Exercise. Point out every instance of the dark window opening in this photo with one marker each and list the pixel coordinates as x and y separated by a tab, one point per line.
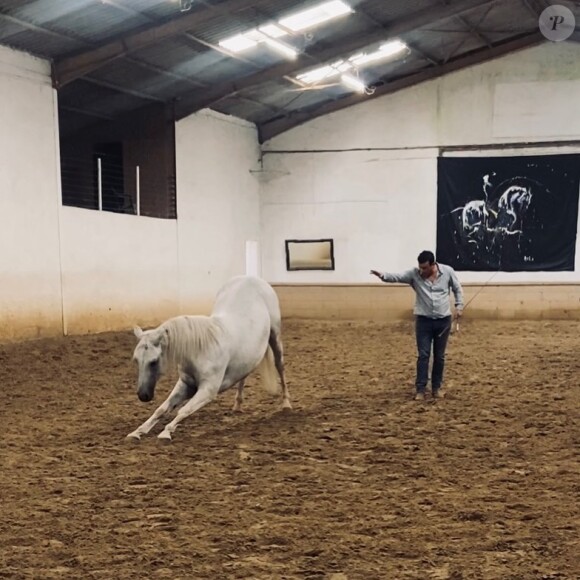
125	166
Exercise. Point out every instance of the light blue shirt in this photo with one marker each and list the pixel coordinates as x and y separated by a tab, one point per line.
432	297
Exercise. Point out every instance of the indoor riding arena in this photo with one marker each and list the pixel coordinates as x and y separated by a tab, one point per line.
159	156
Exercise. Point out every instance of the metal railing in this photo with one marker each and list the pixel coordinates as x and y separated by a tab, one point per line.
103	183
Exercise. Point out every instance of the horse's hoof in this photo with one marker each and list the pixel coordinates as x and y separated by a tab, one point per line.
164	437
133	438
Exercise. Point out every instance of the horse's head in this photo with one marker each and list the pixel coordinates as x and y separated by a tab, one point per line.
150	355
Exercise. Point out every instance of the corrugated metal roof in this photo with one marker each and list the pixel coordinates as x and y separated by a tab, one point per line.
86	19
7	5
96	99
155	9
97	23
9	28
170	53
246	109
44	45
186	64
132	77
390	11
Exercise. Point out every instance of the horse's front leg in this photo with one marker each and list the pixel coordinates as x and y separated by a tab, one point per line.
179	394
206	392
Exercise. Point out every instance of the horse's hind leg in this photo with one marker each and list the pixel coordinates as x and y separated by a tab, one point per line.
278	351
239	396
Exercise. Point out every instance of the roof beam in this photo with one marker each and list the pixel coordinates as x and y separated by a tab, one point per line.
189	104
413	47
132	92
85	112
536	7
455	50
138	62
257	102
472	29
532	8
34	28
273	128
188	37
423	54
68	69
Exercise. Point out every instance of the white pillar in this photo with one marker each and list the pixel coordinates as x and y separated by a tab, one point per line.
253	258
100	182
138	184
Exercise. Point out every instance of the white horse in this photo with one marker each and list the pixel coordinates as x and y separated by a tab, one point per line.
213	353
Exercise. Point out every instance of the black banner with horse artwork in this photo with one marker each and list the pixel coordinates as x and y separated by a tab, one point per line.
508	213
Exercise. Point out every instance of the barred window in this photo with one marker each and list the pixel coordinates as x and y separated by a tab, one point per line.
126	166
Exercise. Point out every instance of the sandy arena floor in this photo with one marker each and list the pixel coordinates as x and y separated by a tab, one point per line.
358	482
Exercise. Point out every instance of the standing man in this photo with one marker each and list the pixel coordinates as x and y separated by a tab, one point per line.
431	282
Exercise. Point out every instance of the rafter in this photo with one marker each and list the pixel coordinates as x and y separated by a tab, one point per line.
195	101
35	28
86	113
532	7
474	30
132	92
262	104
68	69
138	62
269	130
455	50
414	48
189	38
423	53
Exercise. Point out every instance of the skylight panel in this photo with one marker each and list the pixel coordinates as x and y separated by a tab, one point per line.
282	48
293	23
341	67
317	75
385	51
353	83
272	31
316	15
238	43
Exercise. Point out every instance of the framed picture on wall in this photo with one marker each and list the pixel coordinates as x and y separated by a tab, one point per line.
310	254
508	213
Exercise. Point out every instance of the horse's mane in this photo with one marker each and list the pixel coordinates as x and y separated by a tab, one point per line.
189	336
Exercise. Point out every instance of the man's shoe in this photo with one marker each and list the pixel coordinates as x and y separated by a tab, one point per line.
420	397
438	394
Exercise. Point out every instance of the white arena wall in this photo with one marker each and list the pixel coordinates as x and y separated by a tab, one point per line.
30	290
71	270
218	203
366	176
121	270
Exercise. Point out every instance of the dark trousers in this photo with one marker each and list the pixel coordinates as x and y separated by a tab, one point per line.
431	332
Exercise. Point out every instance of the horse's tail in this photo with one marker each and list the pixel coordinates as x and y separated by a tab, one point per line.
268	375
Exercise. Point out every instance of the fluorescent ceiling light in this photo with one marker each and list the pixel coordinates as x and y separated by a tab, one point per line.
272	31
393	47
238	43
294	23
324	72
318	74
341	65
387	50
282	48
317	15
353	83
